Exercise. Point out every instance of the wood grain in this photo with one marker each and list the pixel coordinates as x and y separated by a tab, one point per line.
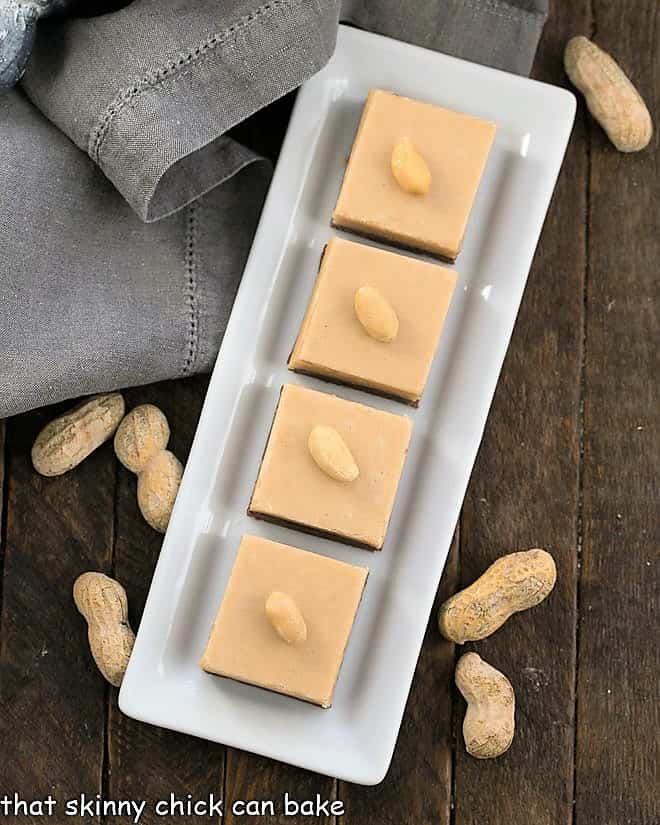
252	777
3	515
524	493
417	788
618	711
2	509
582	370
145	762
51	694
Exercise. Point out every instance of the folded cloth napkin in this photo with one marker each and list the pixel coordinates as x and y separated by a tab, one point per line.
127	211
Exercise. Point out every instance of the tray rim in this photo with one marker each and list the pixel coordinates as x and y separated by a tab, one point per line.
129	702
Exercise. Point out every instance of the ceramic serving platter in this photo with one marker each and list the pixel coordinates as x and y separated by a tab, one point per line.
355	739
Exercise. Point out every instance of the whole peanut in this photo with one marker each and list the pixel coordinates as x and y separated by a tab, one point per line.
140	443
69	439
102	601
376	314
409	168
157	487
611	98
489	722
331	454
511	584
142	433
285	617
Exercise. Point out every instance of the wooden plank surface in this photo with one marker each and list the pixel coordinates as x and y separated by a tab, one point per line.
2	526
2	504
524	493
417	788
582	369
146	762
52	699
618	710
254	778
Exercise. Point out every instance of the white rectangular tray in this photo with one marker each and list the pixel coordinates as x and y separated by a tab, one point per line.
355	739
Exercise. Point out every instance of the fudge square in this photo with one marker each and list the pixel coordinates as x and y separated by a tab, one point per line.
250	639
332	342
455	147
292	488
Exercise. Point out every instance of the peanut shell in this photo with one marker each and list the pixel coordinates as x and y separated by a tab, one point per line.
103	603
513	583
157	487
141	434
611	97
69	439
489	723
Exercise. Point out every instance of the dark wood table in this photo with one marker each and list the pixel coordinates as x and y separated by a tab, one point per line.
568	462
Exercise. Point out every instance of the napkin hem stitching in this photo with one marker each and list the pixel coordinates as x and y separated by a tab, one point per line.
507	11
191	287
496	8
151	79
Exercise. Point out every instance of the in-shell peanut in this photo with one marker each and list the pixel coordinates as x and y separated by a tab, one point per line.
489	722
140	443
157	487
69	439
511	584
611	97
103	603
142	433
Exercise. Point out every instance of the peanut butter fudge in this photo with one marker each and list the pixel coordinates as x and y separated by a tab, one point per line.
331	467
413	174
285	620
374	320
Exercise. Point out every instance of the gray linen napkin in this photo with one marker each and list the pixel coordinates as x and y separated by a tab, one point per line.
91	296
149	91
121	261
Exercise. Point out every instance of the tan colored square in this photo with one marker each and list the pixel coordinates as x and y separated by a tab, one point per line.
455	147
333	344
291	489
243	644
